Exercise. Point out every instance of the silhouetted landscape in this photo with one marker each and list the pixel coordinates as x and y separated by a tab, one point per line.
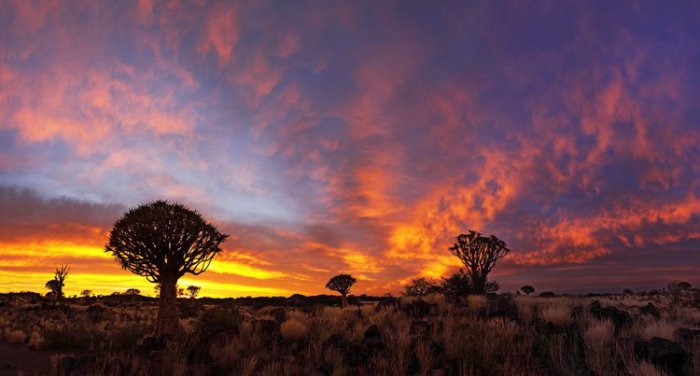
349	188
458	326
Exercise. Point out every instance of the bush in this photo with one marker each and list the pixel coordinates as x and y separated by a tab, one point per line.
73	337
127	338
293	330
218	320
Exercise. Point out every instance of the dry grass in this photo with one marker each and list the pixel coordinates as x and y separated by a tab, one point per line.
657	328
481	345
293	330
558	313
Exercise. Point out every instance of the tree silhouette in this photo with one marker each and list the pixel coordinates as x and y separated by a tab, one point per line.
457	286
420	287
479	255
162	241
341	284
58	282
193	291
54	288
132	292
86	293
527	289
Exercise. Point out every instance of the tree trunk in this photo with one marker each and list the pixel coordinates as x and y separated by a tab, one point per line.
168	321
344	300
479	283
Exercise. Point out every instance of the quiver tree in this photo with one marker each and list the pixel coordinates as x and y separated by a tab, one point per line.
163	241
58	282
479	255
341	284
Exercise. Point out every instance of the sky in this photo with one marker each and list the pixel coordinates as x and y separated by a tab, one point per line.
354	137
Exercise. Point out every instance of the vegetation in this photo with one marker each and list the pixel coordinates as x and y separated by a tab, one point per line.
458	327
420	287
479	254
56	284
527	289
609	335
193	291
341	284
163	241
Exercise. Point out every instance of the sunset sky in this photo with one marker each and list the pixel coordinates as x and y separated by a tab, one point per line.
357	137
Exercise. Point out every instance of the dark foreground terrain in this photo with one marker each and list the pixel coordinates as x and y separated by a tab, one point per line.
482	335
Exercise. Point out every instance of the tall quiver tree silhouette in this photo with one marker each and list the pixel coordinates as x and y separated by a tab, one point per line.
162	241
341	284
479	254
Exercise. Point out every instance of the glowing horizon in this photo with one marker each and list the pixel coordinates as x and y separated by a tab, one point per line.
354	138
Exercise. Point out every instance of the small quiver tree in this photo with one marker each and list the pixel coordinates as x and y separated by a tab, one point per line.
341	284
58	282
163	241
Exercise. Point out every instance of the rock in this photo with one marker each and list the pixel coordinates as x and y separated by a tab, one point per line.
618	317
419	309
650	310
501	306
686	336
667	354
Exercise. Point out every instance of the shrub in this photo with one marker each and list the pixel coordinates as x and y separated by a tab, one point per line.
558	314
293	330
218	320
127	337
73	337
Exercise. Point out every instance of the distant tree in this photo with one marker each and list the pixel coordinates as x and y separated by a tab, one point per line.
193	291
479	255
132	292
86	293
527	289
163	241
180	292
58	282
627	291
341	284
420	287
547	294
